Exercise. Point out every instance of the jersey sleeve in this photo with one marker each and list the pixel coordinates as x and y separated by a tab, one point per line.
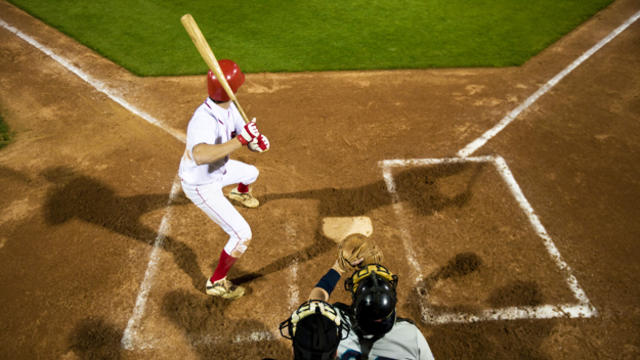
201	129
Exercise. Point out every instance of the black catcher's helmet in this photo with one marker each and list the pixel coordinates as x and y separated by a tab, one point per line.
373	290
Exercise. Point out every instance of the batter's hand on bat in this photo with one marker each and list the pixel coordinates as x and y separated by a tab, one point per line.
249	132
259	144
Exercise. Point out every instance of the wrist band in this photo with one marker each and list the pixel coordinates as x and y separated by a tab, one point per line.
329	281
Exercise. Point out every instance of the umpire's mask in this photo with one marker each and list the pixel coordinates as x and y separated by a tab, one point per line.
316	330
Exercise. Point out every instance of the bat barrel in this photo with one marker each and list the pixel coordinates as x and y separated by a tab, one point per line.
207	55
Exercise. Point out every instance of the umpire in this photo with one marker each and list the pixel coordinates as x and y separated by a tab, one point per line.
315	329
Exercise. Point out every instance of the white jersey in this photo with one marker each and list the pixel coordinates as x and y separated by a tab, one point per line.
210	124
404	341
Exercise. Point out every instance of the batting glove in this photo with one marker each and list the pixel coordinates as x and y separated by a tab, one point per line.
249	132
259	144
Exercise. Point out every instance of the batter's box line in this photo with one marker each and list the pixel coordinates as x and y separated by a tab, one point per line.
581	309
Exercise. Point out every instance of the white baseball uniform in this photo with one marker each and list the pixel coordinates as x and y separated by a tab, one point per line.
203	184
403	341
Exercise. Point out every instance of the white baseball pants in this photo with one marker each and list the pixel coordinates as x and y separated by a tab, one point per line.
210	199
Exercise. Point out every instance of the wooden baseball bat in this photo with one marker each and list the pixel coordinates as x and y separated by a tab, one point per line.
207	55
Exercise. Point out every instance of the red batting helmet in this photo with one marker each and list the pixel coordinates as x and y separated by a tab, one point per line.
234	77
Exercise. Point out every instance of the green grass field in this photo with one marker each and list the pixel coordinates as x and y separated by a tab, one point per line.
147	37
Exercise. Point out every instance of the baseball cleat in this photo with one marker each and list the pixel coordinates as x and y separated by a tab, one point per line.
245	199
224	288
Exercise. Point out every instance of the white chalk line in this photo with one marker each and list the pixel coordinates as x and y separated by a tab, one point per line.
248	337
583	309
130	335
507	176
294	293
128	340
388	164
479	142
404	233
96	84
511	313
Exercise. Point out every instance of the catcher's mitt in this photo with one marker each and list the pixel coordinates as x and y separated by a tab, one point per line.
355	251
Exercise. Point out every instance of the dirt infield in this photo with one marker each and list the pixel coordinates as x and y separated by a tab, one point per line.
102	257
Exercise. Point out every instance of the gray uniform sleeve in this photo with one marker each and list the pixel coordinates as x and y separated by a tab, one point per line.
423	347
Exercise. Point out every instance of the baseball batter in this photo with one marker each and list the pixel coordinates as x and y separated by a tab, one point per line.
215	130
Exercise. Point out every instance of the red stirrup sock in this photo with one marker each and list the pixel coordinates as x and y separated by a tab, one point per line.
225	263
243	188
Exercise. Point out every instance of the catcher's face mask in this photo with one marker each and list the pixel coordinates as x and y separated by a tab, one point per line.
316	330
351	284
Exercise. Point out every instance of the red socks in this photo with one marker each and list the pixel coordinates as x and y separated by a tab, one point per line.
243	188
225	263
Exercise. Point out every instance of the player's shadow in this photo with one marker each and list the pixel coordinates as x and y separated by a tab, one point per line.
419	187
76	196
212	336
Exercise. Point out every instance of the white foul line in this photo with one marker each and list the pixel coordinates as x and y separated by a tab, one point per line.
479	142
97	84
131	332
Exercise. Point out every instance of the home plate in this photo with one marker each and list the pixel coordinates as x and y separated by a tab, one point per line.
338	228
